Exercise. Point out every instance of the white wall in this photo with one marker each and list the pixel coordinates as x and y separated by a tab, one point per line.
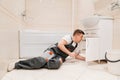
85	8
82	9
63	15
49	15
102	7
10	23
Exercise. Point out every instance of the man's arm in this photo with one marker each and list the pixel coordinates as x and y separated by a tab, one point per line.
80	57
61	46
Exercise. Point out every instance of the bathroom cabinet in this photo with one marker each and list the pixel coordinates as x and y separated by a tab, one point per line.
99	39
92	49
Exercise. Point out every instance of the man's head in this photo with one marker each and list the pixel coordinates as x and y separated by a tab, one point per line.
78	35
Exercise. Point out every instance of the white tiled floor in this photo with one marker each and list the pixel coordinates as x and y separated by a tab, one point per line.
70	70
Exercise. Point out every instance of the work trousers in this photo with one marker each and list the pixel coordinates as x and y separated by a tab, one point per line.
39	62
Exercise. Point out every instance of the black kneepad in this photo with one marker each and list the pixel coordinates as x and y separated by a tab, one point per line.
53	64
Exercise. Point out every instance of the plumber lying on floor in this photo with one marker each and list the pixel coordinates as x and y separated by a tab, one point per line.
55	55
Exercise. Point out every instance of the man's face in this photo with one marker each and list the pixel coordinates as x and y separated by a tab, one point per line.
78	37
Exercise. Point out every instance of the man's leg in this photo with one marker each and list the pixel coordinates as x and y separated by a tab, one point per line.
38	62
33	63
54	63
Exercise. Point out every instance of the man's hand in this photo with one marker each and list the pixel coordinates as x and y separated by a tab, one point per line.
73	54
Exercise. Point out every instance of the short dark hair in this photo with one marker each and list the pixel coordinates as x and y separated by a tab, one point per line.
78	31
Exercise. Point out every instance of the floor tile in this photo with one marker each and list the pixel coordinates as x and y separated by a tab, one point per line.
70	70
94	74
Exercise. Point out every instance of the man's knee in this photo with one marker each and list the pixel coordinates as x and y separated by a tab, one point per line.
53	64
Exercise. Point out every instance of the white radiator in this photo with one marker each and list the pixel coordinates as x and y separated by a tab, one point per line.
34	42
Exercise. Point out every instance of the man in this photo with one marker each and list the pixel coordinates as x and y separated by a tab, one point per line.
55	55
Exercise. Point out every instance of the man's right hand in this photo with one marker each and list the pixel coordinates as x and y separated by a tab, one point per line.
73	54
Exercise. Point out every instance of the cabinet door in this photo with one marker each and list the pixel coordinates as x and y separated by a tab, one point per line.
106	32
92	49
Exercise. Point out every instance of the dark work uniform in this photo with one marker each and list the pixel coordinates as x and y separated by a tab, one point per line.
40	62
63	55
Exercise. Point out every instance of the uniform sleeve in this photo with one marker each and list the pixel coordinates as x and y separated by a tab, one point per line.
67	38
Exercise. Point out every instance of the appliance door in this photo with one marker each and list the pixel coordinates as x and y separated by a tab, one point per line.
92	49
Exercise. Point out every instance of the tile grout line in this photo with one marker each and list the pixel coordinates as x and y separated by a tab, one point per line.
118	77
80	75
